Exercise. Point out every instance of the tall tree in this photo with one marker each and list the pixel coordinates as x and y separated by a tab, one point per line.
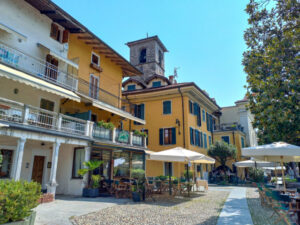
272	63
222	152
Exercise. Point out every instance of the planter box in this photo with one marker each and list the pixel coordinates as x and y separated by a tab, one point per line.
90	192
27	221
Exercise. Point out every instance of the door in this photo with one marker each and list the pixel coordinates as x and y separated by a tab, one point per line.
46	119
51	68
94	86
38	169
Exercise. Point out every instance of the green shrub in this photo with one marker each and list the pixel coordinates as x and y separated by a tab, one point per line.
108	125
256	175
139	175
139	133
90	166
162	177
17	199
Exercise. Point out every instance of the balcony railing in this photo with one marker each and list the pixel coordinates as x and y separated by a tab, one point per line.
36	67
15	112
229	127
118	136
95	92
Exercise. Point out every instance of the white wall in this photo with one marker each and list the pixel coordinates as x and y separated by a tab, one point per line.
67	185
25	19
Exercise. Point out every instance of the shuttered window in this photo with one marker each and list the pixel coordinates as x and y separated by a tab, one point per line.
167	136
201	140
205	140
139	112
192	141
226	139
131	87
167	107
199	116
191	106
243	142
197	138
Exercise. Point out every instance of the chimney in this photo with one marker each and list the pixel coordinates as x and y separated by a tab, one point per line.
171	79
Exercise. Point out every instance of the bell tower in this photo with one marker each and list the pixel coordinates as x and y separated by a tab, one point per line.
148	55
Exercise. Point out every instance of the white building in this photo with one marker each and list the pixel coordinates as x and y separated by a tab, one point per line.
241	117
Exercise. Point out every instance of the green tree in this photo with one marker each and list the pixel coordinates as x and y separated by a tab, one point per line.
222	152
272	66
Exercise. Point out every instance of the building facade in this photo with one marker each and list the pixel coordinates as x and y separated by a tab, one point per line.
177	114
57	82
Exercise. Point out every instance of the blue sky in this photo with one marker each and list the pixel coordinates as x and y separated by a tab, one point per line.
204	38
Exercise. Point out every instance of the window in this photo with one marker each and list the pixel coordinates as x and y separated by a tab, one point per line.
137	161
243	142
156	83
209	140
121	164
203	115
167	136
147	138
205	140
78	159
191	106
167	105
6	165
58	34
160	57
197	112
139	112
47	104
94	86
168	169
201	139
226	139
95	59
131	87
143	54
192	138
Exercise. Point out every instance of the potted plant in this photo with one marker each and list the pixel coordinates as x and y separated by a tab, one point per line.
138	187
107	128
93	182
139	133
17	199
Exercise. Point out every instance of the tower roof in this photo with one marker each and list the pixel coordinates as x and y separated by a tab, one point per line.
156	38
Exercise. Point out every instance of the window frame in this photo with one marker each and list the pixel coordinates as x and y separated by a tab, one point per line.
98	56
170	107
157	81
227	137
73	163
172	169
131	85
145	56
170	136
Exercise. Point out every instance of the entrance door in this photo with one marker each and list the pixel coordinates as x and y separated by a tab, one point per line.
38	169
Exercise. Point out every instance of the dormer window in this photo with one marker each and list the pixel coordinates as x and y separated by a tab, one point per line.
156	83
143	54
131	87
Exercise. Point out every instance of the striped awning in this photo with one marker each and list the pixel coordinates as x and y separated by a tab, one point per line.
27	79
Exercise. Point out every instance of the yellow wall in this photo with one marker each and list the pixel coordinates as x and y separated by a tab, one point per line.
155	119
110	80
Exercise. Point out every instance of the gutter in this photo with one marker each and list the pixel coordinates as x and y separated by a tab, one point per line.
183	124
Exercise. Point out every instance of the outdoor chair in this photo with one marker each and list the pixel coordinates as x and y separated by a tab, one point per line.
149	190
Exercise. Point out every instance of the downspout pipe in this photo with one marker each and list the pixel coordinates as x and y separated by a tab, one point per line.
183	122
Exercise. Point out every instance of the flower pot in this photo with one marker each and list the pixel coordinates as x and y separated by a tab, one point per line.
136	197
27	221
90	192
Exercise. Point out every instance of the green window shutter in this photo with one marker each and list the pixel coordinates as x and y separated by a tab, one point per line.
161	136
142	111
207	121
167	107
205	141
173	135
201	139
226	139
195	108
191	106
198	116
192	136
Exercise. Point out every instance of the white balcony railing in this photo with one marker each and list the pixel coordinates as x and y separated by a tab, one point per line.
20	113
36	67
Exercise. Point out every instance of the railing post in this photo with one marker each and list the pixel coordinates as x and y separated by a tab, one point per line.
91	129
88	129
131	138
25	114
114	133
59	121
145	142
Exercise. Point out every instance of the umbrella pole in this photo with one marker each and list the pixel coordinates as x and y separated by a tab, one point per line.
283	181
188	179
170	185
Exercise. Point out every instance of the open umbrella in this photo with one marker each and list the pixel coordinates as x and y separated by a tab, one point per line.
275	152
253	163
177	154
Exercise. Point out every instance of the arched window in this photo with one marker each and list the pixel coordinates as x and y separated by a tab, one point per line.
143	55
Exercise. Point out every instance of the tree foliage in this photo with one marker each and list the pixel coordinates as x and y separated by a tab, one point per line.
272	65
222	152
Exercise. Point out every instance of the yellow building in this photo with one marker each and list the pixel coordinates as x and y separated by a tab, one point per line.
177	114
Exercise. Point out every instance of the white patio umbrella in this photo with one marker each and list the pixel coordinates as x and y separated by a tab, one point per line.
275	152
177	154
254	163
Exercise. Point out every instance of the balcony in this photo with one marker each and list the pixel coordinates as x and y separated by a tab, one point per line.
19	113
229	127
36	67
118	137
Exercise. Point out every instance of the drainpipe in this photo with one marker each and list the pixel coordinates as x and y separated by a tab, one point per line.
183	123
